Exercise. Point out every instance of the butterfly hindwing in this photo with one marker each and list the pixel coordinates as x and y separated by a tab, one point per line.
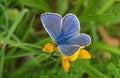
68	50
52	23
79	39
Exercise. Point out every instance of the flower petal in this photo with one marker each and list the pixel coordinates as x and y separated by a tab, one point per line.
74	57
84	54
49	47
63	57
66	65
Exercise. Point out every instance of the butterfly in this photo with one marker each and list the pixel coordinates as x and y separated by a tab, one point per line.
65	32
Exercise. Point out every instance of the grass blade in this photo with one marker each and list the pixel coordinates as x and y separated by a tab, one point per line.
100	18
62	6
108	4
92	71
41	5
10	33
90	7
76	8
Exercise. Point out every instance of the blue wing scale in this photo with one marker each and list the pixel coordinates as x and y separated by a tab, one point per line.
68	50
79	39
52	24
70	25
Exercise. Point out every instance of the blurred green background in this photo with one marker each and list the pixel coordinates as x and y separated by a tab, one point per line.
22	38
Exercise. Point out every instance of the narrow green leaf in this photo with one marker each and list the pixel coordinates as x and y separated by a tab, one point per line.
105	6
26	66
2	7
94	32
10	33
41	5
91	70
105	47
24	46
29	29
114	9
77	6
90	7
44	41
62	6
100	18
21	55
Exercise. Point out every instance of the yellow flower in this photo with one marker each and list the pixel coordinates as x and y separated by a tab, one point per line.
49	47
74	57
84	54
66	65
70	58
66	60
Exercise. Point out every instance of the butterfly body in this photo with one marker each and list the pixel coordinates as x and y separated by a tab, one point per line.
65	32
62	40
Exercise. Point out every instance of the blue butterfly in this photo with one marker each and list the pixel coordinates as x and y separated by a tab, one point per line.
65	32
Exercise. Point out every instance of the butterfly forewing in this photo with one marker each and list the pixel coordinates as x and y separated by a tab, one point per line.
52	24
70	25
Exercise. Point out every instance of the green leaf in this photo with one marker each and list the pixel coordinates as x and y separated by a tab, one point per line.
77	6
105	47
111	67
29	29
24	46
100	18
115	9
90	7
113	70
26	66
41	5
93	32
91	70
44	41
105	6
21	55
10	33
62	6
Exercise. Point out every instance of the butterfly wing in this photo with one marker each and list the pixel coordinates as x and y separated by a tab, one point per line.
70	25
68	50
52	24
79	39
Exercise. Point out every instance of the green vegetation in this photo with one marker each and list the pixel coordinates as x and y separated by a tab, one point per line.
22	38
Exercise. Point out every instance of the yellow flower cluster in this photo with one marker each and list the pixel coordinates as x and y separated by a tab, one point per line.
49	47
81	53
